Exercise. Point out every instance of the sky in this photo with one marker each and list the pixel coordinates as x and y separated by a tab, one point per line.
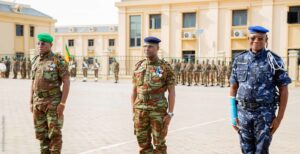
77	12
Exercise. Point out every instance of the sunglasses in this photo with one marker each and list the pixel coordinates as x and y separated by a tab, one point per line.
41	43
258	38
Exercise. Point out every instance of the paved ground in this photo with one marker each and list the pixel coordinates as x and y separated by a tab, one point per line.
98	120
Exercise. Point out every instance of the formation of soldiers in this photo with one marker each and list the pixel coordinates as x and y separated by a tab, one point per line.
20	66
206	73
95	67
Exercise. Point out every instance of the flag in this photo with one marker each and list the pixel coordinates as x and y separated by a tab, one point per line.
67	54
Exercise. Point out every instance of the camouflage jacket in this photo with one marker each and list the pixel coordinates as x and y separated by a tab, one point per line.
152	79
47	74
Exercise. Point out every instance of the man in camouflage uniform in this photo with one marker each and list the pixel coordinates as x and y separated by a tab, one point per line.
228	72
85	67
213	73
96	69
16	67
197	71
116	69
73	69
178	71
189	72
222	74
49	72
23	68
152	110
206	70
182	72
8	65
173	65
218	72
258	85
28	68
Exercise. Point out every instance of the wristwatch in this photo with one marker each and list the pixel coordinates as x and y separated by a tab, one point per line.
171	114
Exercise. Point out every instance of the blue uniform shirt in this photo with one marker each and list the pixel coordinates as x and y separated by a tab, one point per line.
257	81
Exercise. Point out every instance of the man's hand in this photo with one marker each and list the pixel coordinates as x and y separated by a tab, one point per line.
275	124
236	127
60	110
166	122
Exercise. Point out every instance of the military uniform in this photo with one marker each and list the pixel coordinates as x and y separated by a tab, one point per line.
183	73
96	70
28	68
228	72
196	72
47	74
151	78
177	72
173	65
8	65
116	69
73	69
189	73
222	74
23	68
85	67
218	72
206	71
16	68
213	73
257	97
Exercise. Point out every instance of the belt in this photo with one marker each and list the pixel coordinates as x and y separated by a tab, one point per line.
255	105
45	94
147	97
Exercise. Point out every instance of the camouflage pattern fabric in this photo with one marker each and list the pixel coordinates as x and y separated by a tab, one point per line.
152	79
47	74
257	84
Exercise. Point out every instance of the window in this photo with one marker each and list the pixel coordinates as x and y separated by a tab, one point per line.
31	31
91	42
294	15
111	42
239	18
155	21
135	31
189	20
19	30
188	55
71	43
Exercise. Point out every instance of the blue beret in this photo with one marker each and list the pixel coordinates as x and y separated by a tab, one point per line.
152	39
257	29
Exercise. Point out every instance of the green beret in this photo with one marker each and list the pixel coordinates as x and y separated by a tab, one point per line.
45	37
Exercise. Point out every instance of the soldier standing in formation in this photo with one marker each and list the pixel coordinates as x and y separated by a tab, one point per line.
28	68
206	71
189	72
23	68
228	72
73	69
85	67
178	71
213	73
16	68
116	69
182	72
197	71
222	74
152	110
96	69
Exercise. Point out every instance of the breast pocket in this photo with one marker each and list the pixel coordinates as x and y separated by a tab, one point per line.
139	77
242	72
50	75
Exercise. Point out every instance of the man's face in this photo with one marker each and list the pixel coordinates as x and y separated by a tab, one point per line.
44	47
257	41
151	50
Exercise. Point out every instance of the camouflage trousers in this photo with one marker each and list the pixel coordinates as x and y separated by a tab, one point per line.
189	78
147	125
183	77
196	77
28	74
85	72
96	72
116	73
255	133
73	72
48	128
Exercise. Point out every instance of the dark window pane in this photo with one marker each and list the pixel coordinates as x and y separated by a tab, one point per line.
295	12
91	42
111	42
135	29
239	18
19	30
71	43
189	20
31	31
155	21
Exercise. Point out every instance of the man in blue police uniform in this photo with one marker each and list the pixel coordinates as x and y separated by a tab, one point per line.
259	84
